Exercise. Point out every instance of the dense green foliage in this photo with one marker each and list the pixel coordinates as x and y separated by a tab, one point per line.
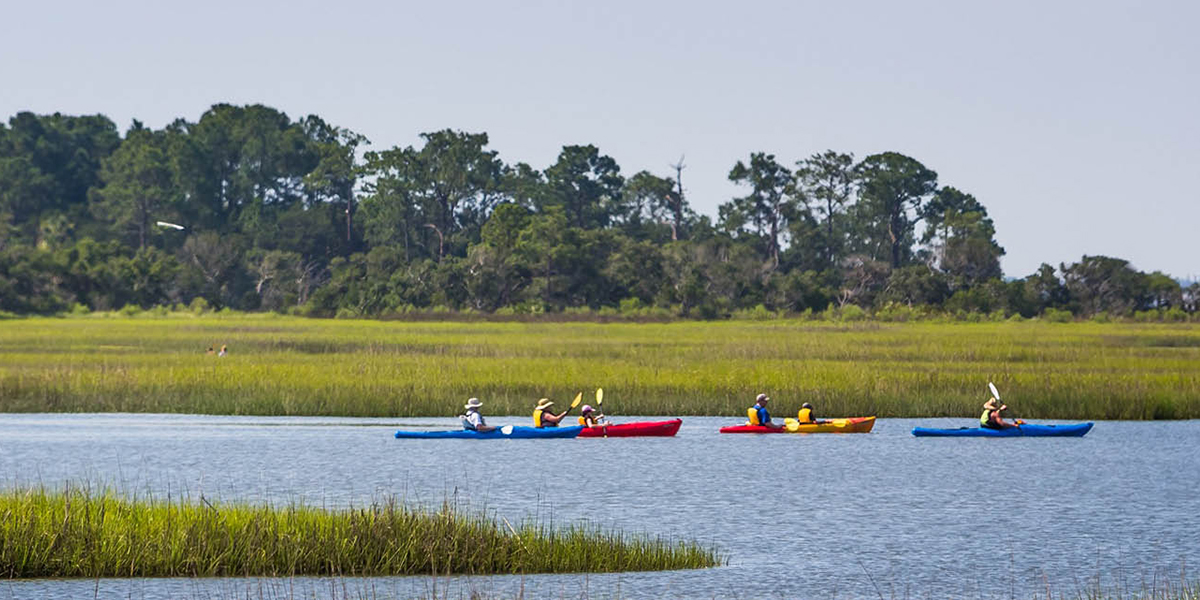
80	533
288	215
281	365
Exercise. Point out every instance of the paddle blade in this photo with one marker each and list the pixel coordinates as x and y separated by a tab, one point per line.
791	425
578	399
599	396
841	422
506	430
995	392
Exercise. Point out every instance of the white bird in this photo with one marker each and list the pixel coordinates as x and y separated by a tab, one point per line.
171	225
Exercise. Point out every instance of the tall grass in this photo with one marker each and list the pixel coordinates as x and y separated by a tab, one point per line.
81	533
291	366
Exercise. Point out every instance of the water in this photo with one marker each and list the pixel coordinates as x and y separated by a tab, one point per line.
815	516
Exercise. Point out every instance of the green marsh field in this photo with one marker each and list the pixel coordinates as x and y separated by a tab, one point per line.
82	533
295	366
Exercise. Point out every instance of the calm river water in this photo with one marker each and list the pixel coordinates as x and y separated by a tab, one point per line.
818	516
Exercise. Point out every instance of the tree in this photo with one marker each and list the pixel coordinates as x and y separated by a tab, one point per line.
1101	283
333	178
961	237
432	194
586	185
137	185
47	165
768	206
827	180
892	187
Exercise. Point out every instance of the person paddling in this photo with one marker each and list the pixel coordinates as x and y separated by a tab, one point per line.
473	420
543	417
991	418
805	415
591	418
759	415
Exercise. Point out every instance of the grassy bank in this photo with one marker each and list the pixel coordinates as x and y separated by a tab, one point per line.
293	366
77	533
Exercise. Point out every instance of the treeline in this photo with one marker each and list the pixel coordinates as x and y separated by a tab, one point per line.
287	215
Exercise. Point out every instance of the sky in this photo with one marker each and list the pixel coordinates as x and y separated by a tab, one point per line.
1077	124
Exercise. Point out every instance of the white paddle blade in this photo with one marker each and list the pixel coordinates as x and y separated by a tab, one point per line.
599	395
506	430
995	392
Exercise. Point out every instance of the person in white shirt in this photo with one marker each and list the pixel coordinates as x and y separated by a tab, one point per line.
473	420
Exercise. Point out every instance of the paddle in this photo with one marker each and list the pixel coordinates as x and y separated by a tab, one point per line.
578	399
506	430
791	424
600	407
996	395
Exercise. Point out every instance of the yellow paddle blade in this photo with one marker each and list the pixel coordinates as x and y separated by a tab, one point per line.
578	399
841	422
791	425
599	395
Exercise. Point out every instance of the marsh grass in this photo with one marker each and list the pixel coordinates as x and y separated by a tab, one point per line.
78	532
293	366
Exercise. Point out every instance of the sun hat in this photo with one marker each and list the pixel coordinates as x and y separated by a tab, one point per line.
473	403
806	405
587	408
544	403
761	398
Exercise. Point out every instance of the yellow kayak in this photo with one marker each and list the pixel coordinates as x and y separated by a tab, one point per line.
847	425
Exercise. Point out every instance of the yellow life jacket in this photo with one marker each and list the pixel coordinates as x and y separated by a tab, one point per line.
537	418
752	413
805	415
583	421
985	420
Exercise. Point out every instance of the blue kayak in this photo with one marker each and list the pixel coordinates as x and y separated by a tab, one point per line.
1026	430
499	433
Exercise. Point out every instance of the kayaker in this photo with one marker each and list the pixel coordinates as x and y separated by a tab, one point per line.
473	420
543	417
591	418
759	415
991	416
806	415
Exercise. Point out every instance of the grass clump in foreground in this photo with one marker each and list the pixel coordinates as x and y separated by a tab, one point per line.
82	533
291	366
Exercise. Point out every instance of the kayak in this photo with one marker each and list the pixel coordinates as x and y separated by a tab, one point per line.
1027	430
641	429
847	425
499	433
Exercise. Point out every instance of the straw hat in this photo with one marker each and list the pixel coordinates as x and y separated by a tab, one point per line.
472	403
544	403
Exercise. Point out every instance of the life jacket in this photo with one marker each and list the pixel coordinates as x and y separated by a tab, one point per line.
985	420
583	421
752	413
805	415
537	418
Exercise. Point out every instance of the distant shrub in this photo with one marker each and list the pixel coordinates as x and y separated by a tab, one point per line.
1101	317
852	312
758	313
1054	315
80	309
199	305
346	312
1175	315
631	305
129	310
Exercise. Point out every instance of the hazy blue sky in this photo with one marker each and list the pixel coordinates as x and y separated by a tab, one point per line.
1075	123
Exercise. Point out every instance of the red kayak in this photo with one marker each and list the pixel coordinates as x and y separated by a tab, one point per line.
643	429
